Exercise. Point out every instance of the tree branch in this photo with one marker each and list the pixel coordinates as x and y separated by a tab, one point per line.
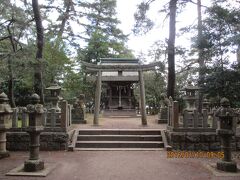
191	1
187	67
50	7
11	36
2	38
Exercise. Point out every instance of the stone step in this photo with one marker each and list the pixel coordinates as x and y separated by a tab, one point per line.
119	144
118	149
119	132
119	138
120	113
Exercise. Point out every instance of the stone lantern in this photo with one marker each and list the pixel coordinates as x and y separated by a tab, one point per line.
78	115
5	123
35	111
205	104
226	131
55	90
190	96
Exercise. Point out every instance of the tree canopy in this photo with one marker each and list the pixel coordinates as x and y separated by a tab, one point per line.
41	41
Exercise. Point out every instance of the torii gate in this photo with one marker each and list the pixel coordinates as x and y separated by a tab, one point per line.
120	67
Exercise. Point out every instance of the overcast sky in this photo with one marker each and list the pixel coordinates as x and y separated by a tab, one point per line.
126	10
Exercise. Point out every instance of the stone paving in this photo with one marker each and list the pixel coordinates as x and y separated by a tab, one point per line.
117	165
122	123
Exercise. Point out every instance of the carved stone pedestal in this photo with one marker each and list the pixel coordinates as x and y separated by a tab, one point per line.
3	152
33	165
227	166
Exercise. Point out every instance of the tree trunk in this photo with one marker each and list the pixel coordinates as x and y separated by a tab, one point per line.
238	54
64	20
10	71
38	80
200	54
11	84
171	49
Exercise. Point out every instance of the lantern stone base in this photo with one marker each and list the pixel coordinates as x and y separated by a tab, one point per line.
4	154
19	171
33	165
213	169
227	166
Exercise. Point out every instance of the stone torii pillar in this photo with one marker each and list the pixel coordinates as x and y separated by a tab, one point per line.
108	68
97	98
142	98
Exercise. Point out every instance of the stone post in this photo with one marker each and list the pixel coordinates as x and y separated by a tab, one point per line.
205	118
142	98
83	109
24	117
130	97
5	123
226	130
110	97
170	112
119	97
15	118
97	98
64	115
69	114
214	120
195	116
35	111
175	114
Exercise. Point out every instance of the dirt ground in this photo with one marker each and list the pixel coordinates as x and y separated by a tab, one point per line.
117	165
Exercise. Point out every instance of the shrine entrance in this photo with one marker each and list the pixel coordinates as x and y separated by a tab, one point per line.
120	96
119	75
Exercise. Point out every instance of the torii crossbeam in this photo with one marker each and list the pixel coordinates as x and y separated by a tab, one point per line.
119	67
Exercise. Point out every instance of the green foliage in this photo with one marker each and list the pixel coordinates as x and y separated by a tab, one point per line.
57	63
154	87
220	33
75	84
22	90
97	48
105	39
223	82
143	23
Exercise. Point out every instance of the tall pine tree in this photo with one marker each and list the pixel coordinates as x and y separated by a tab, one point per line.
104	38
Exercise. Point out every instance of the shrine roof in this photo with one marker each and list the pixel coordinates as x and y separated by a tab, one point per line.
119	61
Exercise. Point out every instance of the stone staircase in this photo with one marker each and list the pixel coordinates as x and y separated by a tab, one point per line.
120	113
118	139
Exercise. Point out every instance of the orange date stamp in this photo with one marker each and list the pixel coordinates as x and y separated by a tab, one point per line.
193	154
